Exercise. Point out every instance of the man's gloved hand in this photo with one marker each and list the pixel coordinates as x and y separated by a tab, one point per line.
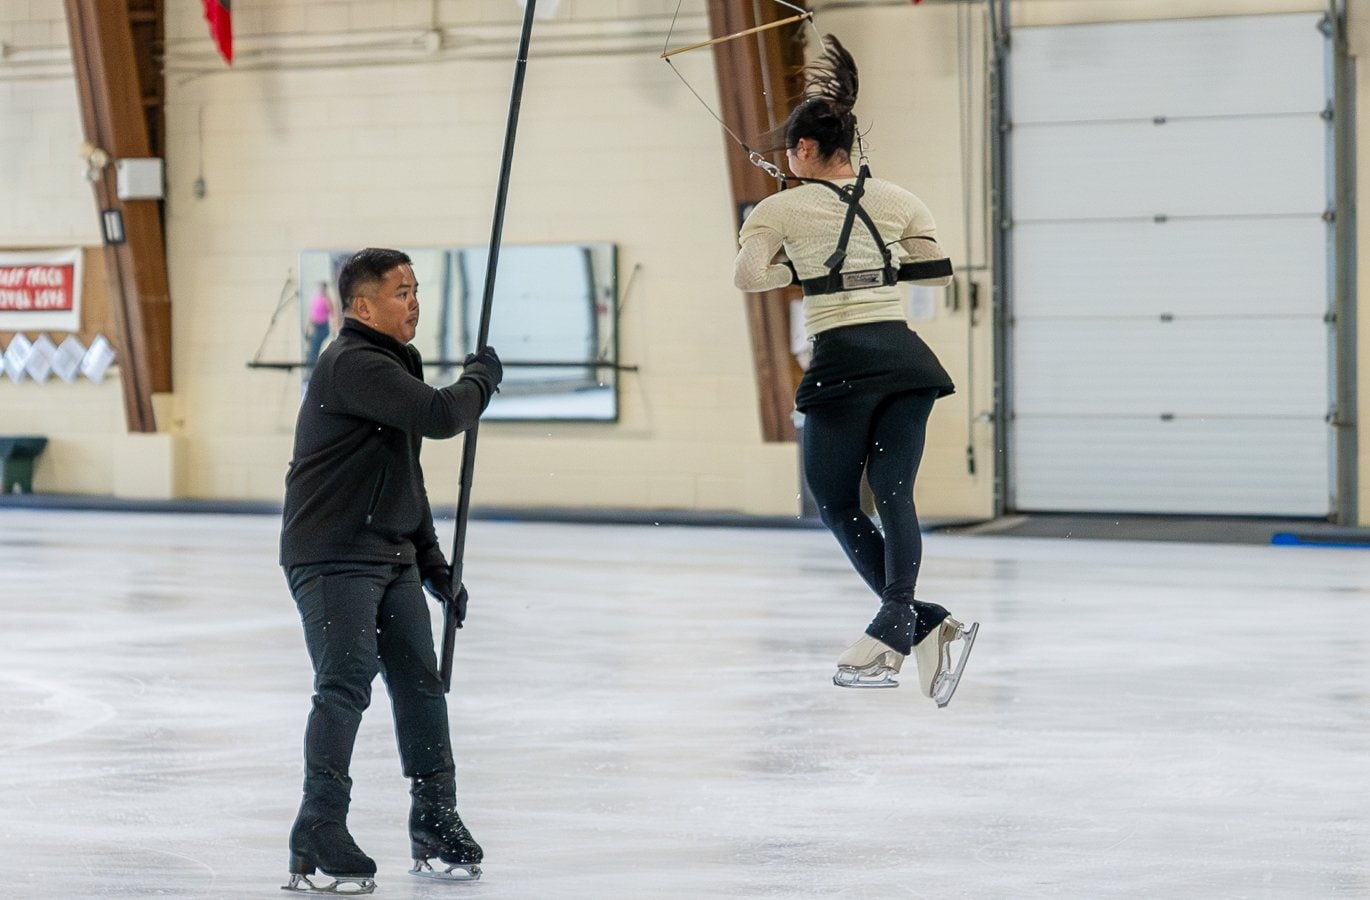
460	608
484	368
438	582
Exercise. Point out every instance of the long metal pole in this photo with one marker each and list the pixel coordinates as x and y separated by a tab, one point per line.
468	457
1001	213
1347	443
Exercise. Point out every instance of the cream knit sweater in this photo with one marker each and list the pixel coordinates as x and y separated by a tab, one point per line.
807	221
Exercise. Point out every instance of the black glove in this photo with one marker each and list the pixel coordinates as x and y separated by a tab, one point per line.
485	370
439	584
794	273
460	601
437	580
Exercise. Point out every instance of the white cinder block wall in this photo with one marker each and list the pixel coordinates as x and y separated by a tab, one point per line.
45	201
337	128
610	148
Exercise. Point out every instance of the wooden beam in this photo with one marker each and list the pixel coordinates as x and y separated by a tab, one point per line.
116	120
759	78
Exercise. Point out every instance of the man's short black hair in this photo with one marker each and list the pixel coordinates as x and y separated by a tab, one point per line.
364	270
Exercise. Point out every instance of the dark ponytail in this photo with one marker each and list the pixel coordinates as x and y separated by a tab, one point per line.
825	114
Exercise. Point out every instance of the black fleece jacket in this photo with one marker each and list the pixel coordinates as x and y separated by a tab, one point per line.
355	490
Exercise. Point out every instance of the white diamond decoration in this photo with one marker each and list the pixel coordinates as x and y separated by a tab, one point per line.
17	357
39	365
66	362
97	359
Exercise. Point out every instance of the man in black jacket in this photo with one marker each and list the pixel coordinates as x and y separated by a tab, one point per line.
358	547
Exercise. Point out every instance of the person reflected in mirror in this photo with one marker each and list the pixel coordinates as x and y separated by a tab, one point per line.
324	319
358	548
869	388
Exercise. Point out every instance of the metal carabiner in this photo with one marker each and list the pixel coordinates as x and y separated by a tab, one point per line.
765	165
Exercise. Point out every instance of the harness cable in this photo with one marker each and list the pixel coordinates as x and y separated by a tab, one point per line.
836	280
753	156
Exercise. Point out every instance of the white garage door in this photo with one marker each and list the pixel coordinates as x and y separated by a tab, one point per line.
1169	272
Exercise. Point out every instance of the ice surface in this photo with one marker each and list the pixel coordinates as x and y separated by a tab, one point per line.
647	712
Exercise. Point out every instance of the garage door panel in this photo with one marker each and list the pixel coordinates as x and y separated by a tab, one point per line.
1256	166
1212	367
1272	467
1189	267
1168	270
1193	67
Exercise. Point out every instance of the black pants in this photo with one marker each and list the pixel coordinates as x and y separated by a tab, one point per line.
882	436
361	619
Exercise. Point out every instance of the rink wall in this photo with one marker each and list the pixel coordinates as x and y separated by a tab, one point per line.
343	124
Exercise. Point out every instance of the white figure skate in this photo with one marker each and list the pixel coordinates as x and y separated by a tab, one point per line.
869	663
937	677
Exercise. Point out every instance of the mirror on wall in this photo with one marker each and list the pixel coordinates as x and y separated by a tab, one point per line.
553	321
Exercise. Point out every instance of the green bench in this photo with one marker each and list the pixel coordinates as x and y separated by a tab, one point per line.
17	453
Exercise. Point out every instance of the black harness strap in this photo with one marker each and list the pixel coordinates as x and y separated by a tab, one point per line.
928	268
852	198
853	201
836	283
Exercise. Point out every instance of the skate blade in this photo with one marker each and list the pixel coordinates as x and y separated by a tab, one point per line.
945	686
875	677
341	887
422	869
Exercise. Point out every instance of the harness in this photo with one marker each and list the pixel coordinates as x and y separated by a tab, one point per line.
837	281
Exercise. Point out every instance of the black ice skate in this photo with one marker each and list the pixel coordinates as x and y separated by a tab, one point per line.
932	640
325	846
436	831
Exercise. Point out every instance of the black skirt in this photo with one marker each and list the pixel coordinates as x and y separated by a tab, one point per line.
877	358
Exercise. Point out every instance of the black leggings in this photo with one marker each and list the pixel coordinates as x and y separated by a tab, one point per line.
883	436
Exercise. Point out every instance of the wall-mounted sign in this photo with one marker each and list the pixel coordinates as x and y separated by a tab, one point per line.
40	290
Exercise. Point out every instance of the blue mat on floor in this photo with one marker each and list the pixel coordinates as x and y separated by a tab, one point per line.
1352	539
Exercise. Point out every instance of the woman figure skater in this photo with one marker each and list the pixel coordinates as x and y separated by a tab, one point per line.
848	239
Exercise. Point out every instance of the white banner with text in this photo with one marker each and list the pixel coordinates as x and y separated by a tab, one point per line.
40	290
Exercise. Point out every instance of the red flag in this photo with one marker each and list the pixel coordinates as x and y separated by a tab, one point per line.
220	27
